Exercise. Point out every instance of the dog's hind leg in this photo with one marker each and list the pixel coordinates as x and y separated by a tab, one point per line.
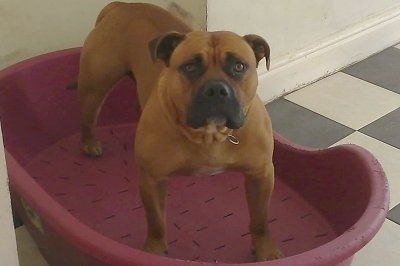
98	73
91	101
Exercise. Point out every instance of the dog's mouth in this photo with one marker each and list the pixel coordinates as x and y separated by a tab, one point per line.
219	121
230	118
215	103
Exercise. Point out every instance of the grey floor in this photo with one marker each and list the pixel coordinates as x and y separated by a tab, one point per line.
359	105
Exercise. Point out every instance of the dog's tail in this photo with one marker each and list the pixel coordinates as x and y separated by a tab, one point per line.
107	9
73	85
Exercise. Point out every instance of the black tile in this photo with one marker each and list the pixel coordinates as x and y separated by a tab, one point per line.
394	214
385	129
303	126
382	69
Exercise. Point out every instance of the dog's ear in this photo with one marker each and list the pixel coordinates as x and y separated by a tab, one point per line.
163	46
260	48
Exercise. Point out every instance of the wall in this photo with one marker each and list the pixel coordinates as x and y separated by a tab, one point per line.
8	247
309	39
33	27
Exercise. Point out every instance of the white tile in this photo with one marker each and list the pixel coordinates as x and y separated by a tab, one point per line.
398	46
350	101
28	252
388	156
383	249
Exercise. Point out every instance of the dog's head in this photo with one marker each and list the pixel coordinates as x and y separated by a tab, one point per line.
211	76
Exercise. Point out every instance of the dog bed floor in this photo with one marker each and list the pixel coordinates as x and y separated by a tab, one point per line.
207	216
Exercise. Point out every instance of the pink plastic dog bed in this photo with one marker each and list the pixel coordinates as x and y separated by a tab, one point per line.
327	204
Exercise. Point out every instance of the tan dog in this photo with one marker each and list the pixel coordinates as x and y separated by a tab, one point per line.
200	111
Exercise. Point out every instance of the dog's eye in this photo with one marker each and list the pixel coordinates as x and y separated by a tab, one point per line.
190	68
239	67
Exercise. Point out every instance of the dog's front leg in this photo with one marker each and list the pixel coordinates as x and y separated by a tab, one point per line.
153	192
259	186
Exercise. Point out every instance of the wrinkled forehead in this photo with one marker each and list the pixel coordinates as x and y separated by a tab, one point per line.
213	46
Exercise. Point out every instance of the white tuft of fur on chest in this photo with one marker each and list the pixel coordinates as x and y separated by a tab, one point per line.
207	170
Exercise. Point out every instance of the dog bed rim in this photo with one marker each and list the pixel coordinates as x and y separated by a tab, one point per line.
108	250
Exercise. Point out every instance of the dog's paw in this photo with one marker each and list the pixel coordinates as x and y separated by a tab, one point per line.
271	254
267	250
157	247
92	148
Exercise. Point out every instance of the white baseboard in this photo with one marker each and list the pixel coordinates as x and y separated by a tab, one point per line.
343	49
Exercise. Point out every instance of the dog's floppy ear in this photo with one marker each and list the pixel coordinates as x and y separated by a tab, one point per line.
163	46
260	48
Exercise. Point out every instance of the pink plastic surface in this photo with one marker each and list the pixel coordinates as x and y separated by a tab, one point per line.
327	204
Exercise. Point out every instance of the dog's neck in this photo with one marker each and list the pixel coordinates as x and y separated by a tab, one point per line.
211	133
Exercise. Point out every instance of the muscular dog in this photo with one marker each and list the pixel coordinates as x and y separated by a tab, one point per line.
200	111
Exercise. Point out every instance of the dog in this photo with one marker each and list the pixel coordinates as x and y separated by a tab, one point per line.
200	113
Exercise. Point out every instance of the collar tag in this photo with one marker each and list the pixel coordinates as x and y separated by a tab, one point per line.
232	139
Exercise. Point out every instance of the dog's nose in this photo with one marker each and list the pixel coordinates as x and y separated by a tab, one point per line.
216	89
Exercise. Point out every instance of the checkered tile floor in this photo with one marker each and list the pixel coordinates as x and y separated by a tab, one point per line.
359	105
